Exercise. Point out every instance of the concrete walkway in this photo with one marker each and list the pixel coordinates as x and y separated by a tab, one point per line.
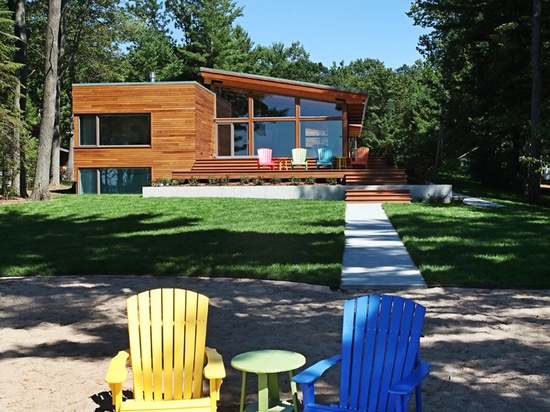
374	255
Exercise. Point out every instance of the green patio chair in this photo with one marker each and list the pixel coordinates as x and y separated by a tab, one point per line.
299	158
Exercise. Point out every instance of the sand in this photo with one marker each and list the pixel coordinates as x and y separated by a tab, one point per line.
489	349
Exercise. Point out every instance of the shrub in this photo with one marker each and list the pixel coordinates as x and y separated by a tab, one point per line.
276	180
213	180
259	181
295	181
310	180
193	181
245	180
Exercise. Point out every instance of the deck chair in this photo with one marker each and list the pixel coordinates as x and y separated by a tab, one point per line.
299	158
379	363
324	157
265	158
361	158
169	359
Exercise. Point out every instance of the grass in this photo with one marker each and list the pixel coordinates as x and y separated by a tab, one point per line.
127	234
291	240
477	246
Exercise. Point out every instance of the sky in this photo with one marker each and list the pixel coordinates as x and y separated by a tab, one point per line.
336	30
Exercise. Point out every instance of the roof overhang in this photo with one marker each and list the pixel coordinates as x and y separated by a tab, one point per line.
355	100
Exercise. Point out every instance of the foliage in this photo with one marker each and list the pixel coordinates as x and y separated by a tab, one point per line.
11	124
482	52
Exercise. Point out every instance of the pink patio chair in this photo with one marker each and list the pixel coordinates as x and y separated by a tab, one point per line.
265	158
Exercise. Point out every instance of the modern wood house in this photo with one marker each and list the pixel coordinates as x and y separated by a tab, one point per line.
128	135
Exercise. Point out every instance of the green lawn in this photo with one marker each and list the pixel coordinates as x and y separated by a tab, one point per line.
127	234
477	246
292	240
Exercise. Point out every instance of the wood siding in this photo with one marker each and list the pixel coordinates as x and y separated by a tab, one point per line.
182	125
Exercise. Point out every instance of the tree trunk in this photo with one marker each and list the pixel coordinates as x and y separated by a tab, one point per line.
20	32
56	142
441	133
536	93
41	189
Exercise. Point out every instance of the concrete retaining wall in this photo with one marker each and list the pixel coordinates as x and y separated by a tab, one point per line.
289	192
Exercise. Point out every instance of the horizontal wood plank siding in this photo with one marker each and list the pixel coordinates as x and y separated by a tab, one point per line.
182	125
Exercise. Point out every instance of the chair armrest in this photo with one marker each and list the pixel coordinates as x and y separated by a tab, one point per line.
214	368
407	384
117	372
315	371
307	377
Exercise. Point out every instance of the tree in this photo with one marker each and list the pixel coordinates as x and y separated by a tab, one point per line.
481	50
20	32
41	189
207	30
11	125
536	96
290	63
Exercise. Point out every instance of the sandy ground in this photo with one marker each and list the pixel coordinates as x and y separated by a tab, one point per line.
489	349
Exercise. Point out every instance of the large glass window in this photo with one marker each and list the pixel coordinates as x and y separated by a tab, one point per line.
311	108
233	139
279	136
272	105
231	103
114	180
115	130
274	118
315	134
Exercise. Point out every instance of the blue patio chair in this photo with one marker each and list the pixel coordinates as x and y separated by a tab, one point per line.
324	157
380	364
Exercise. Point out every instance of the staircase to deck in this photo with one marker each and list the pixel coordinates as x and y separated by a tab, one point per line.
378	174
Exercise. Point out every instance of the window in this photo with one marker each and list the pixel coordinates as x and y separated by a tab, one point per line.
312	108
231	103
315	134
272	105
233	139
115	130
276	121
279	136
114	180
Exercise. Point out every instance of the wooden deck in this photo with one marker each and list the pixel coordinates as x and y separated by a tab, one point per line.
237	169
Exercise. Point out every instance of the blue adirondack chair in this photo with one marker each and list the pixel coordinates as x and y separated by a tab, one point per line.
380	364
324	157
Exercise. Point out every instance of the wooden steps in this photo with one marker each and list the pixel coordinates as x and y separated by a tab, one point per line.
376	177
378	196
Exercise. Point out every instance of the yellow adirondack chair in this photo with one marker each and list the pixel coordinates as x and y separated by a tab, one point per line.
168	354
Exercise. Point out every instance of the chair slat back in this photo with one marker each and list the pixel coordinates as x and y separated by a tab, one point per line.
299	155
380	343
167	332
324	154
362	154
265	156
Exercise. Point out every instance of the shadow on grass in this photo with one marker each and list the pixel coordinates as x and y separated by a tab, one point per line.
144	244
477	246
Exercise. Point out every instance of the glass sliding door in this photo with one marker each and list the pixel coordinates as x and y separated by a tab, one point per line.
232	139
